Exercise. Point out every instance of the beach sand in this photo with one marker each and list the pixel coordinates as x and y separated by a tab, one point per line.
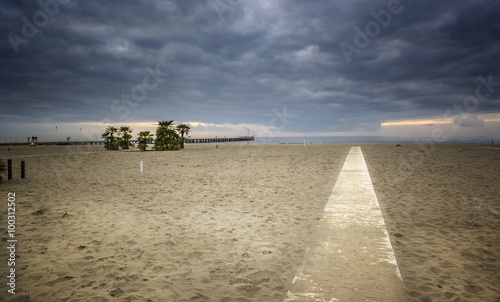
441	205
233	223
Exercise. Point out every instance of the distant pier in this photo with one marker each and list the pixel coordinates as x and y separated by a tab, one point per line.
219	140
49	141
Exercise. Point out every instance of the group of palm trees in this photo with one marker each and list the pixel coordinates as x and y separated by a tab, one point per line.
168	137
116	138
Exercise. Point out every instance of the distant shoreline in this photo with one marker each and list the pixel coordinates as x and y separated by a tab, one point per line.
326	140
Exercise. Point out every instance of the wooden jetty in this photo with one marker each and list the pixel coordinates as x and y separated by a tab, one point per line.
219	139
49	141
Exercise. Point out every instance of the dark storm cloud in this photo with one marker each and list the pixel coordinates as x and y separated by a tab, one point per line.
231	61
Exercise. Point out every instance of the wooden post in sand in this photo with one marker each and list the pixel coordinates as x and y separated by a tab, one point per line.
142	167
9	169
22	169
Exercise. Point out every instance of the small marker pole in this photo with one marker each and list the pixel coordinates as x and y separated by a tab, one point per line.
22	169
142	167
9	169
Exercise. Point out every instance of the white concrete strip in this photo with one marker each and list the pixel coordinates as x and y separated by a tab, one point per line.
351	258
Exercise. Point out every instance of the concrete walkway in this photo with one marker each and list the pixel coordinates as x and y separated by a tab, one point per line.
352	257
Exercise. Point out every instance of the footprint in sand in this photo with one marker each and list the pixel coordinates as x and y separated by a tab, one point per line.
261	277
116	292
59	280
97	299
38	213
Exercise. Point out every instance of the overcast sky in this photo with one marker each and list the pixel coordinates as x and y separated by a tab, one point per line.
275	67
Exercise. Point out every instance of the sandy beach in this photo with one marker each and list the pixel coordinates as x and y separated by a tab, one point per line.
233	223
442	209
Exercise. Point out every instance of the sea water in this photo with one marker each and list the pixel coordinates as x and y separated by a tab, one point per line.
374	139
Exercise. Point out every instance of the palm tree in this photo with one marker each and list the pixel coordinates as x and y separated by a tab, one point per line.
183	129
144	138
166	137
111	140
125	137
